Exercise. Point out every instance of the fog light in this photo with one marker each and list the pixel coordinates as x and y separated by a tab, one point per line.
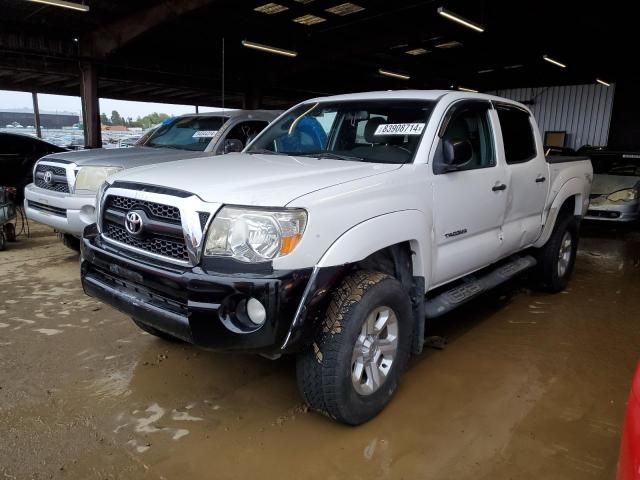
256	311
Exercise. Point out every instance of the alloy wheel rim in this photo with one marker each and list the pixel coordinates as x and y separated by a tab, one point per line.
564	255
375	351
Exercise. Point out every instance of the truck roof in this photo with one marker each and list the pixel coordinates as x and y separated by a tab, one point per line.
410	95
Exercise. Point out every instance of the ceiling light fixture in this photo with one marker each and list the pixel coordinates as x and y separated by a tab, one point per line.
470	90
417	51
451	44
271	8
461	20
61	3
487	70
388	73
555	62
345	9
269	49
309	19
602	82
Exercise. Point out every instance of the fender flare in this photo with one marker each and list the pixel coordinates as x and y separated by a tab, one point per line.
354	245
380	232
574	187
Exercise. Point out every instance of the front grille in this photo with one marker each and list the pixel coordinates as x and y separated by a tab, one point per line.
204	216
172	248
155	238
157	210
61	212
59	183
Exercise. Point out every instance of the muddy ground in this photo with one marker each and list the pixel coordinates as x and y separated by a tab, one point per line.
530	386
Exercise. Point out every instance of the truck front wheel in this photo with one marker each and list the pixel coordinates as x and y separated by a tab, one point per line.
360	351
557	258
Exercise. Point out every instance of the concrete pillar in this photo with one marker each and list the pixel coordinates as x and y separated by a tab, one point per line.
36	114
90	105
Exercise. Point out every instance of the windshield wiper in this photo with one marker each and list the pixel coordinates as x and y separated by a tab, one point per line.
333	156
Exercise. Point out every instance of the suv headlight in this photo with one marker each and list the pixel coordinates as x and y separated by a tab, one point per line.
625	195
252	235
90	178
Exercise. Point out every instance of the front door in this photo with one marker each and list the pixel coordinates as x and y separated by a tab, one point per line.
469	203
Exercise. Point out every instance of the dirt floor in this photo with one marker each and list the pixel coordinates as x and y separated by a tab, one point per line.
530	386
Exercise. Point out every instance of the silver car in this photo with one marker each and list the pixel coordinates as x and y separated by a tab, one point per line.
615	193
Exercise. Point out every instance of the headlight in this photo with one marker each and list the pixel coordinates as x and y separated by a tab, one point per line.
255	235
623	195
90	178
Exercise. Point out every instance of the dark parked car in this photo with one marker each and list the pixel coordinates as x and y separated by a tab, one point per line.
18	155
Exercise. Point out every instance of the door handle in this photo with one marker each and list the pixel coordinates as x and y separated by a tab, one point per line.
501	186
540	179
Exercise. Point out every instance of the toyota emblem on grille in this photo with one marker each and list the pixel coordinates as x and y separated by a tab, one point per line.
133	223
48	177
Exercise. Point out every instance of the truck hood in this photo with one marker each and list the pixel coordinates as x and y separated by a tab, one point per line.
124	157
605	184
244	179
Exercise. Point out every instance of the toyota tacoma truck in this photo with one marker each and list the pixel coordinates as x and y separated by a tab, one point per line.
64	186
338	234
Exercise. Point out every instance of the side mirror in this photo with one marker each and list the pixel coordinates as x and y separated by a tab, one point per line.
455	154
232	145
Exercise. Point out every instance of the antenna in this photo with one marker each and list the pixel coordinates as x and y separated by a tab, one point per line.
222	92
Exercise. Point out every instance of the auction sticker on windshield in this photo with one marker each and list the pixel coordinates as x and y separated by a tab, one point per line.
205	134
400	129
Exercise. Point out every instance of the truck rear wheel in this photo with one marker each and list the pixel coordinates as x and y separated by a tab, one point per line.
360	353
557	258
155	332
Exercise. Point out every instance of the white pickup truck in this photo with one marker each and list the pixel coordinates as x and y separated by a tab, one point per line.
338	233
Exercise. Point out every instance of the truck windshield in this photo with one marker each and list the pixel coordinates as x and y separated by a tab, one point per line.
378	131
186	133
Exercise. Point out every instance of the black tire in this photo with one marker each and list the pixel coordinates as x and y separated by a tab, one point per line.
71	242
548	276
3	241
10	232
156	333
324	373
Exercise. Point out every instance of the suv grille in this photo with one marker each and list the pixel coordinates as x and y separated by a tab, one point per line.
158	210
58	180
154	239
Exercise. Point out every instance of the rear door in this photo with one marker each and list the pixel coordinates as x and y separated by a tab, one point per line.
469	203
527	173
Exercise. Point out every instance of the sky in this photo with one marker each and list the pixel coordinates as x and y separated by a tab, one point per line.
53	103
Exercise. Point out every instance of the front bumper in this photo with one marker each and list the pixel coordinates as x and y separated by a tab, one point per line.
65	212
613	212
193	304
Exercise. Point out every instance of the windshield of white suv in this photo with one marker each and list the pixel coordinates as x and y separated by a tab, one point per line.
186	133
378	131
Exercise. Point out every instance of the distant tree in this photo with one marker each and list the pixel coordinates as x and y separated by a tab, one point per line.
116	119
104	119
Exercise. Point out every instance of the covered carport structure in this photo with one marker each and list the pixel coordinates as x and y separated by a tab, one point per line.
196	51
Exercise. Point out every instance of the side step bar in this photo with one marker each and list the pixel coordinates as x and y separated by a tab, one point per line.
472	287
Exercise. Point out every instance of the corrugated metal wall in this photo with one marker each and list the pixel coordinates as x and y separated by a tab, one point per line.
583	111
